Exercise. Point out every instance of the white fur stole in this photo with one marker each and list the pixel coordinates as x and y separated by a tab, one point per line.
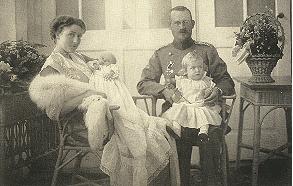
97	119
51	92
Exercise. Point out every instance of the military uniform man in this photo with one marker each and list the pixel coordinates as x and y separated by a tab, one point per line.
170	56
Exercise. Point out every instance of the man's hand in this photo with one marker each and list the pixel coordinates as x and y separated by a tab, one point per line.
168	93
211	97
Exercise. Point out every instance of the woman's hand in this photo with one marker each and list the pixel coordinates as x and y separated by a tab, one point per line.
100	60
94	65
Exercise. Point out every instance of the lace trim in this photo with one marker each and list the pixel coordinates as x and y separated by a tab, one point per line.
162	167
151	177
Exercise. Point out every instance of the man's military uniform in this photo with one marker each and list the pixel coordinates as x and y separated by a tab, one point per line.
171	56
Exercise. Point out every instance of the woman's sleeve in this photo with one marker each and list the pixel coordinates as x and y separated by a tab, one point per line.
55	62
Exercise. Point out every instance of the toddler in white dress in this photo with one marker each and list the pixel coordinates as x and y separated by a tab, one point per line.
140	147
189	110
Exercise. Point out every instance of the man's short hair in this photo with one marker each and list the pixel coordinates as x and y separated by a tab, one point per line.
181	8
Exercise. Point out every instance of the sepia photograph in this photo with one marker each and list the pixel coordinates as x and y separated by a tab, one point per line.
145	93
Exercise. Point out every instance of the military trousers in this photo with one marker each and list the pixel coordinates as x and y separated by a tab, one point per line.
209	153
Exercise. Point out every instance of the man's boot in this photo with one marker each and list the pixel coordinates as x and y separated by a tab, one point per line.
210	158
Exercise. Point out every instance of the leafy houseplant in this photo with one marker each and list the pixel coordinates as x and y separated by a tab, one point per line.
20	61
260	42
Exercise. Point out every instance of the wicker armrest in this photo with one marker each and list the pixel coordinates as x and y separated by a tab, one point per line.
229	97
145	98
226	111
142	97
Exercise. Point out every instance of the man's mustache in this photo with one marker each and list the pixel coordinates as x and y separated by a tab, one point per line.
182	31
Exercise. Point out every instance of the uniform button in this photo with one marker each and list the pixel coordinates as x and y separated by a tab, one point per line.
170	54
170	65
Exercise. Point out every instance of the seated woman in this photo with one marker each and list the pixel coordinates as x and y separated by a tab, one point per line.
62	85
136	153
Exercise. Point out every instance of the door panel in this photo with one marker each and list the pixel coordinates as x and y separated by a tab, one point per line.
207	30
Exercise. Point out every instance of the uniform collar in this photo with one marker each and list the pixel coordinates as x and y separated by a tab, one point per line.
183	45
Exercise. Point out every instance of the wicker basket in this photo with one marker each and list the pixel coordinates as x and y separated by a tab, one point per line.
261	68
266	50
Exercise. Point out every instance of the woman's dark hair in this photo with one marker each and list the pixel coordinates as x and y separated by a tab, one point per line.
60	22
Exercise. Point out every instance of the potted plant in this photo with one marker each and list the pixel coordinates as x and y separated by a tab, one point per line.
21	121
20	61
260	43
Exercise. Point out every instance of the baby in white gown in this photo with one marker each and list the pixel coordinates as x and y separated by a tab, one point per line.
140	147
190	110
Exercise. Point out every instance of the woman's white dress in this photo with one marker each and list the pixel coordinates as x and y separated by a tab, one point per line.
138	150
191	112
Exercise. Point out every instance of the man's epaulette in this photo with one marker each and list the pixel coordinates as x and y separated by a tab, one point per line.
163	47
203	43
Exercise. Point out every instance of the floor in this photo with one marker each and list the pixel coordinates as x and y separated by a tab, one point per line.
271	173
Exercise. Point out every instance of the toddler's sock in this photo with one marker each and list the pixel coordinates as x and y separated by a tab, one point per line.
204	129
203	134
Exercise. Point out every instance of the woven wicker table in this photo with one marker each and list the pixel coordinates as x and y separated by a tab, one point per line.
26	134
277	95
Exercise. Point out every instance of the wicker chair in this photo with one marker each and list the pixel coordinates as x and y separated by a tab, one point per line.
73	146
226	114
227	107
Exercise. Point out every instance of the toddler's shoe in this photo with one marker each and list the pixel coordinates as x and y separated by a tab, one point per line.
203	138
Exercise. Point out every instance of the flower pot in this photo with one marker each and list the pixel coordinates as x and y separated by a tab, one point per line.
261	68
